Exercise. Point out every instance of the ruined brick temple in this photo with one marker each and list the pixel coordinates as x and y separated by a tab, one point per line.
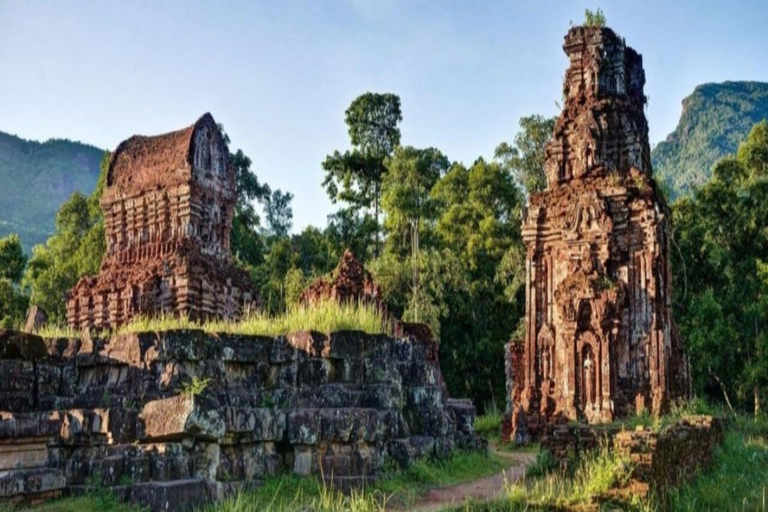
168	207
600	341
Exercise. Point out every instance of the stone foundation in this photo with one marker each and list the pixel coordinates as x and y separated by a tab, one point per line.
175	419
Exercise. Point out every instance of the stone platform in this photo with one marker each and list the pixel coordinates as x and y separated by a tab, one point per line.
174	419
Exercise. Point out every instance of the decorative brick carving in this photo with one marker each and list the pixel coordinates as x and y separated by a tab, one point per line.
168	207
600	341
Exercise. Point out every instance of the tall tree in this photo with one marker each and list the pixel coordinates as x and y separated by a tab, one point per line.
278	212
525	157
12	262
355	176
479	224
245	242
411	174
721	279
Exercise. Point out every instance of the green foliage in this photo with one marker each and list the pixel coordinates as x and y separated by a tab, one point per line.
278	213
195	387
355	176
12	259
525	158
75	249
245	242
715	119
594	19
737	482
36	178
721	291
13	302
543	465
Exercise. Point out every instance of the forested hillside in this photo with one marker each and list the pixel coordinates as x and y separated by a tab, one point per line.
715	119
36	178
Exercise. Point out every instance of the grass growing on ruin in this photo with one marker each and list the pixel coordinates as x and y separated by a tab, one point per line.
326	316
394	489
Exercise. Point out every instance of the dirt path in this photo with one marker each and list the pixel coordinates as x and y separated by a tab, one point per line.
482	489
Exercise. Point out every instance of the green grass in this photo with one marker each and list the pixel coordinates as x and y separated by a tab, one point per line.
394	490
489	424
738	481
326	316
597	473
91	502
57	331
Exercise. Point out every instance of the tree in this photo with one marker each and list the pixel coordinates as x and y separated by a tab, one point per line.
355	176
13	303
12	259
75	249
245	242
594	19
349	228
279	214
721	278
525	158
411	174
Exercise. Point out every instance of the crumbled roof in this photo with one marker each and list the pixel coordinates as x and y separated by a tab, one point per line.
147	162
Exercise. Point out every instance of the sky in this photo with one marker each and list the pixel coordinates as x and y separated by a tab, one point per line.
279	74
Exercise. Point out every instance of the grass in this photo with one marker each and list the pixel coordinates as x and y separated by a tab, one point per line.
57	331
394	490
596	475
738	481
489	424
326	316
91	502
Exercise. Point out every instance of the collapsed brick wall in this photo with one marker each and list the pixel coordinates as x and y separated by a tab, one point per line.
184	417
600	342
168	207
659	459
665	459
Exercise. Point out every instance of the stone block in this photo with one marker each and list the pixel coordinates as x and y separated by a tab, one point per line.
303	426
307	343
313	372
22	346
239	348
181	416
30	482
382	396
181	495
23	454
430	397
344	345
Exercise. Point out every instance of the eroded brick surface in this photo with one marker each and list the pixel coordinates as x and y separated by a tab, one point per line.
600	342
168	207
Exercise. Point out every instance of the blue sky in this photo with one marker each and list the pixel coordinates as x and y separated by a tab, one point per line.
279	74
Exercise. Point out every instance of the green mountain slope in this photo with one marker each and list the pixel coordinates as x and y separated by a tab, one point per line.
36	178
716	117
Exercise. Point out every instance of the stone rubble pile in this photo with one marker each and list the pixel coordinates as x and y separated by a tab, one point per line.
175	419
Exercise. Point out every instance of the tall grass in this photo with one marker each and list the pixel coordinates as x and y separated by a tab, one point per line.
326	316
488	424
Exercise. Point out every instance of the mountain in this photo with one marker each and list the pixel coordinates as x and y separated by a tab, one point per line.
36	178
716	117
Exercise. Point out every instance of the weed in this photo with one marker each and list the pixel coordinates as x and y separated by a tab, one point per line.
195	387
